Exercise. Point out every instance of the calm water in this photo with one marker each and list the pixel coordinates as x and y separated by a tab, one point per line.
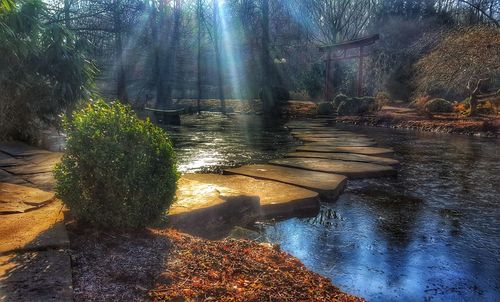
432	234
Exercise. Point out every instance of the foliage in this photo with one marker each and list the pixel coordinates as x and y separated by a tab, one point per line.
338	99
312	81
43	70
325	108
118	171
465	54
438	106
357	106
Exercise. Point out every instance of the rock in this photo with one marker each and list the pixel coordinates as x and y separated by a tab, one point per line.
328	135
20	149
38	229
7	160
44	181
357	150
347	157
203	209
341	143
305	124
243	233
329	186
36	276
351	169
38	163
276	199
20	199
9	178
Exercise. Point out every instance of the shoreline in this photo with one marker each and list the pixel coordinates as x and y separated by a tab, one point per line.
480	127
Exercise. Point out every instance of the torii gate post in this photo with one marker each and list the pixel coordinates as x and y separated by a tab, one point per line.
332	55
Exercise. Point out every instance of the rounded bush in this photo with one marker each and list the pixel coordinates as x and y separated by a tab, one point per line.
118	171
357	106
438	106
325	108
339	98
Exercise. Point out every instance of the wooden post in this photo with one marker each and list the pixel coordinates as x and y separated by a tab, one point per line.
360	72
327	78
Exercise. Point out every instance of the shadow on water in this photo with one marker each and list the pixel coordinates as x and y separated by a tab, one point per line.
431	234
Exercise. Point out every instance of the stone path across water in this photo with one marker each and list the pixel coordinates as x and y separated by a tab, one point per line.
338	149
347	157
351	169
329	186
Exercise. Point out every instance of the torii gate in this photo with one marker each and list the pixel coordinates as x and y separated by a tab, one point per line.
343	47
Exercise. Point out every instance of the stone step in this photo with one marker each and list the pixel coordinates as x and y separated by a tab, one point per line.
276	199
19	149
346	157
351	169
202	208
329	186
357	150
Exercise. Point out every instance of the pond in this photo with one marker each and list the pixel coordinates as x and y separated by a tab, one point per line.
431	234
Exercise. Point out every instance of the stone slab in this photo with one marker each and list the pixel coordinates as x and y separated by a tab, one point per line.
40	229
36	276
347	157
10	178
354	170
7	160
44	181
20	149
276	199
329	186
342	143
45	158
201	206
20	199
357	150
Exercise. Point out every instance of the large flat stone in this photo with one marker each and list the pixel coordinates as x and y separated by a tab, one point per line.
20	199
10	178
342	143
347	157
44	181
353	170
306	124
7	160
37	163
276	199
200	207
347	137
329	186
357	150
20	149
40	229
36	276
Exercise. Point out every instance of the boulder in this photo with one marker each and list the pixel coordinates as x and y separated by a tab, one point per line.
276	199
329	186
438	106
325	108
353	170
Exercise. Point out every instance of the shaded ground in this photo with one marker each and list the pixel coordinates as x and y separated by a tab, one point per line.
393	117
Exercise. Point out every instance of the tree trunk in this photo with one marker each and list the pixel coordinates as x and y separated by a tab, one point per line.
267	96
220	80
198	62
121	88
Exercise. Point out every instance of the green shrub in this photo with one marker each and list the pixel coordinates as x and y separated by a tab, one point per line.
357	106
438	106
118	171
339	99
325	108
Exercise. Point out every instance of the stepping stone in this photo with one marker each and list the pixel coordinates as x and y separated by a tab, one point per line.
6	177
306	124
276	199
20	199
329	186
20	149
351	169
342	143
346	157
7	160
36	276
44	181
40	229
40	163
346	136
329	135
200	207
357	150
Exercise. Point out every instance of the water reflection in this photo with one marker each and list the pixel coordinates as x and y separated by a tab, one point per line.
432	234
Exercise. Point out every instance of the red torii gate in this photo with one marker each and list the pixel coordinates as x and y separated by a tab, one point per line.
343	47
